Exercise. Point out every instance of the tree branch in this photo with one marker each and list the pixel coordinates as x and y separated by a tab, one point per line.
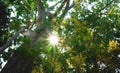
51	8
103	7
41	13
68	7
11	39
59	9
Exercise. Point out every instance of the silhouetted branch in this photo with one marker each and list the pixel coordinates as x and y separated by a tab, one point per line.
12	39
67	7
59	9
103	7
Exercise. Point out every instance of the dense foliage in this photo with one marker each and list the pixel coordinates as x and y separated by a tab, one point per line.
88	33
3	22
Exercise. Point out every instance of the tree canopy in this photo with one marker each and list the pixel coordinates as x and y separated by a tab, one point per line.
60	36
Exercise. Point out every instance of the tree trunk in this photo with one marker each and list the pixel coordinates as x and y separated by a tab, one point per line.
17	64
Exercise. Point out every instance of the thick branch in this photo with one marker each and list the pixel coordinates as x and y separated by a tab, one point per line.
11	39
41	13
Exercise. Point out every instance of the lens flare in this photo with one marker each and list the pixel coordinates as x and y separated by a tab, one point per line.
53	40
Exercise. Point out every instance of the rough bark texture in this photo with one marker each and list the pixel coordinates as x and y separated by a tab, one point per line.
17	64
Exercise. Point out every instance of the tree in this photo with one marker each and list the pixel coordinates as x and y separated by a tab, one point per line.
87	40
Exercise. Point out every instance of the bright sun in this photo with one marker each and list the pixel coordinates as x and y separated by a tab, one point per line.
53	40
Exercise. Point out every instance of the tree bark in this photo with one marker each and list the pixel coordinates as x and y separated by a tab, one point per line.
17	64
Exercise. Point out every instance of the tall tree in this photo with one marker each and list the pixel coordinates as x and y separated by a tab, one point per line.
68	36
28	19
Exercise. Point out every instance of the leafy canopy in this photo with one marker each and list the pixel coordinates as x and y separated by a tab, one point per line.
88	31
